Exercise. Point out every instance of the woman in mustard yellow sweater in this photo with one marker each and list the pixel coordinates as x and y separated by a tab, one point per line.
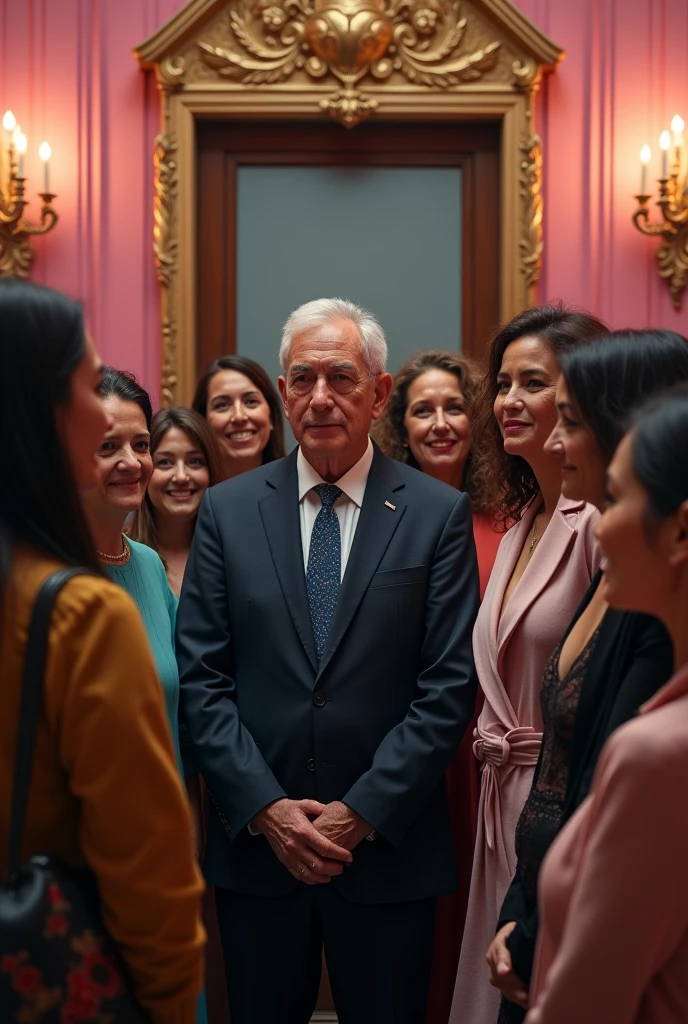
105	788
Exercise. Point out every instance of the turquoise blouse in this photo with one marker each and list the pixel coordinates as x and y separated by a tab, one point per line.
144	579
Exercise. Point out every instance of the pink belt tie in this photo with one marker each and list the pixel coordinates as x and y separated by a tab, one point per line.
520	746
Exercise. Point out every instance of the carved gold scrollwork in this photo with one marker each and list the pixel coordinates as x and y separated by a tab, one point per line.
421	39
530	178
165	247
672	259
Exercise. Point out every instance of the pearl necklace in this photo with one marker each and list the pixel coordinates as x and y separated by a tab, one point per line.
117	559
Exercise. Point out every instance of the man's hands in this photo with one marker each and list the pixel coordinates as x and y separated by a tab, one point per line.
307	853
311	839
502	974
342	825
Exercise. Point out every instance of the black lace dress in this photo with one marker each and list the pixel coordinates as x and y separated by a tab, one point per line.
542	812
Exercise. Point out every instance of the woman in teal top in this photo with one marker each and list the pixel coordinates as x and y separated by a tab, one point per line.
143	577
124	468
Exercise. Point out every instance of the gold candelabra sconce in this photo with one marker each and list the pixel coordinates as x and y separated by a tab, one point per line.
16	252
672	254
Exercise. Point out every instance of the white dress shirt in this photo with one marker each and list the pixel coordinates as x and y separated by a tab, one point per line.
347	505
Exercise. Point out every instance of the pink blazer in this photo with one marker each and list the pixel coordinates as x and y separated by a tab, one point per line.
510	654
613	947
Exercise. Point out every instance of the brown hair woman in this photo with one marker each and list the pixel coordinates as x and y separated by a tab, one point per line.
544	565
186	462
243	409
427	424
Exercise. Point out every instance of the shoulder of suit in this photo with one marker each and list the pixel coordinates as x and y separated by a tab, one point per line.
578	513
651	745
247	483
416	482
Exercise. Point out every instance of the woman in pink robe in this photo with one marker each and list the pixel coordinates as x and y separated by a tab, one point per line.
613	890
544	566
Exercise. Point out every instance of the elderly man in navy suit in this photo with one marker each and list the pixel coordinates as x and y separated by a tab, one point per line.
324	643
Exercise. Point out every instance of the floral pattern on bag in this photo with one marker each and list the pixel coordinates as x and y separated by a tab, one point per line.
93	979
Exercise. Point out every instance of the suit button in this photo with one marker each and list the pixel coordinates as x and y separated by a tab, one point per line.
310	764
319	699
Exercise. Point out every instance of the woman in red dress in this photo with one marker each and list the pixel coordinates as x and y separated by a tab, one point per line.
427	424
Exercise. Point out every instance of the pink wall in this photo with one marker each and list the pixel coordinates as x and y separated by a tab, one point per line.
624	77
67	72
68	75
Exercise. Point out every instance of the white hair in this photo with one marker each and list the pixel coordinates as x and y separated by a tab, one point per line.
324	311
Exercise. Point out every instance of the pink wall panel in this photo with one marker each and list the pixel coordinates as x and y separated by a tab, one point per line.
67	72
624	76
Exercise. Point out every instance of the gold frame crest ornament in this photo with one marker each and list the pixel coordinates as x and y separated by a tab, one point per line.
349	59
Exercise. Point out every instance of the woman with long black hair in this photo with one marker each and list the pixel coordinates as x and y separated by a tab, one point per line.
614	887
608	662
102	728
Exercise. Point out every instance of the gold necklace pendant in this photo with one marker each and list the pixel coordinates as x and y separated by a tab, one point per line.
120	559
534	539
533	542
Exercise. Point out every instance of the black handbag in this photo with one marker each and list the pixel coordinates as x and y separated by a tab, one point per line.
58	965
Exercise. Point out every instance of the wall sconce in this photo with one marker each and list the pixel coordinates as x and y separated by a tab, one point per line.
672	255
16	253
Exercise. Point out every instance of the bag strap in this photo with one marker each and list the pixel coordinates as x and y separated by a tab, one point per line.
31	695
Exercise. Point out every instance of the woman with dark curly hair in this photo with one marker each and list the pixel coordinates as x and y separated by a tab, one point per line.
427	424
544	565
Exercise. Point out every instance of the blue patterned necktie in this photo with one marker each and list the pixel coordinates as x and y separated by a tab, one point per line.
324	572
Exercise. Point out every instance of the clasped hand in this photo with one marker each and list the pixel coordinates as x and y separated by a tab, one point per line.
313	840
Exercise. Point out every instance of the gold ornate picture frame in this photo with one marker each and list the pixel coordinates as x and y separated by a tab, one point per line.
443	60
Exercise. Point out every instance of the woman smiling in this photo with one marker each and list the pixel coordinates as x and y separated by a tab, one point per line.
427	424
124	467
242	408
543	567
186	461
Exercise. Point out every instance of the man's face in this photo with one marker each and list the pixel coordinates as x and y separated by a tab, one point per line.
328	394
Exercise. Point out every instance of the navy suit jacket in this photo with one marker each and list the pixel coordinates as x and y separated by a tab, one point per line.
377	722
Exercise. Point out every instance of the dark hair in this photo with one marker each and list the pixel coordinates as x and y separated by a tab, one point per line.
609	377
659	443
42	341
390	430
275	448
559	327
124	385
143	528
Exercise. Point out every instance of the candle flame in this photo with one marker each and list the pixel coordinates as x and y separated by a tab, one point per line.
664	140
44	151
645	155
20	142
9	121
677	124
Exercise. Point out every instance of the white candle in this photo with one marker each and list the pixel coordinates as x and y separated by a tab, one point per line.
664	143
677	126
21	143
45	153
9	123
645	157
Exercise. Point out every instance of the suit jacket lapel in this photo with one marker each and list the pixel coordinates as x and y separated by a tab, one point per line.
539	571
279	511
376	526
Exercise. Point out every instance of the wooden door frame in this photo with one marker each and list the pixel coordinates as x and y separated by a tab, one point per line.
185	53
224	147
